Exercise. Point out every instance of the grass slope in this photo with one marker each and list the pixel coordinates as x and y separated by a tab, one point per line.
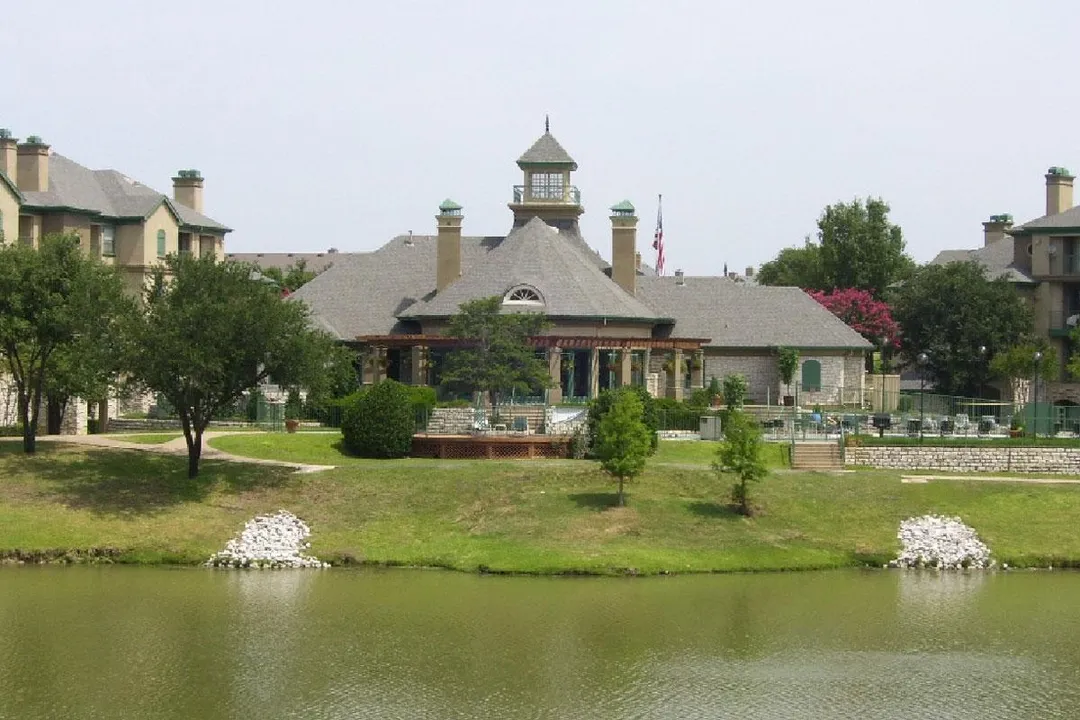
536	517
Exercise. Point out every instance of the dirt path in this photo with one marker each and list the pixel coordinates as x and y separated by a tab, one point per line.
178	447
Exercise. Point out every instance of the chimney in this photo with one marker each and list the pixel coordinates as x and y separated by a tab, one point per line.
33	165
679	279
624	257
994	228
9	155
448	248
749	271
637	261
187	189
1059	190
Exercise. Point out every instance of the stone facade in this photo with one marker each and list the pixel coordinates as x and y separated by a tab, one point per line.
1049	460
842	377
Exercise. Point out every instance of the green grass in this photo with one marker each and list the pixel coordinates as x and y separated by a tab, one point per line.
531	517
148	438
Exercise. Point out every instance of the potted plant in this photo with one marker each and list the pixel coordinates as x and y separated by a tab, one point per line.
1016	428
292	412
788	365
716	393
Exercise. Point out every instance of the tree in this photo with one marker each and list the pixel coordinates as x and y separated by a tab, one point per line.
788	364
1018	367
866	315
496	355
380	422
623	442
795	266
949	312
735	390
293	277
55	303
860	248
740	455
210	333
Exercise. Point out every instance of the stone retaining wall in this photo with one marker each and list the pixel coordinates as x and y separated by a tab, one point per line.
1050	460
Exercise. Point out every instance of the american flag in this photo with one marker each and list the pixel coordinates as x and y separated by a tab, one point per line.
658	236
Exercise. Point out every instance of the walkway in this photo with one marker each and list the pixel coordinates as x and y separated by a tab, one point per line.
178	447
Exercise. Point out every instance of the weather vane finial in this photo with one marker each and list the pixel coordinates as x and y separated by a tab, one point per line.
547	123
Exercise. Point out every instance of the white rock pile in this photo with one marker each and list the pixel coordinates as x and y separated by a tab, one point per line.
269	542
940	542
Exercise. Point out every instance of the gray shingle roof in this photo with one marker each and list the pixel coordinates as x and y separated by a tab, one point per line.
315	262
742	315
547	151
541	257
363	293
108	193
996	259
1067	219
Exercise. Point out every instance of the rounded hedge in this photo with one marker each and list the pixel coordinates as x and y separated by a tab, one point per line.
601	404
379	423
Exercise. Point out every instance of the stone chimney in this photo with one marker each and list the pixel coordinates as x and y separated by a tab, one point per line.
994	229
1059	190
33	165
187	189
448	248
9	157
679	278
624	257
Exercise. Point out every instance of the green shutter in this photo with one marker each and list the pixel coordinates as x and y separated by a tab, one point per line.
811	375
161	243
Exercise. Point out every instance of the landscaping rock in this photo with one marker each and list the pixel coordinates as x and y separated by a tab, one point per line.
940	542
271	542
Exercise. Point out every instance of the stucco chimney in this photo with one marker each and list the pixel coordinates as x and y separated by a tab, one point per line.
637	261
448	247
624	246
994	228
679	278
9	155
1059	190
33	165
187	189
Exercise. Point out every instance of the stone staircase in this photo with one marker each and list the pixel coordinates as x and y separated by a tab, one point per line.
816	456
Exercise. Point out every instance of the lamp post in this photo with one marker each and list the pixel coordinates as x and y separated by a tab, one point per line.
982	380
884	347
922	358
1035	397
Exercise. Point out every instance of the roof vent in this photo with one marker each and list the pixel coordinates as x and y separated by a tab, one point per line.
5	134
189	174
679	278
331	251
36	140
409	240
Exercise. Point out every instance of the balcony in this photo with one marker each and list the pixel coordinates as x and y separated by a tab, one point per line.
568	195
1059	325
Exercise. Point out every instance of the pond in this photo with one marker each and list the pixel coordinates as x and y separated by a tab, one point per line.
115	642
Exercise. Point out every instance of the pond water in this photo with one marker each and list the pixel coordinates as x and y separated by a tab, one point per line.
113	642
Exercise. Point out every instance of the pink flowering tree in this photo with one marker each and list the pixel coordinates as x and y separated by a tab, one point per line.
869	317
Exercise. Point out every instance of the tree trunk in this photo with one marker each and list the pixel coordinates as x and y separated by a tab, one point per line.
29	436
193	436
621	501
54	414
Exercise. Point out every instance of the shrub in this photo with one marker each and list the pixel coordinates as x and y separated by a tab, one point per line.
601	404
379	422
735	390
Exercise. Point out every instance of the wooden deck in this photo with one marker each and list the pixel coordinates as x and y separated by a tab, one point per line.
490	446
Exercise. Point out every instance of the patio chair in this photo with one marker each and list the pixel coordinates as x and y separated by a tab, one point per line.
480	421
520	425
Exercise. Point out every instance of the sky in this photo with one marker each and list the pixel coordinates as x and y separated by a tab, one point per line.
343	124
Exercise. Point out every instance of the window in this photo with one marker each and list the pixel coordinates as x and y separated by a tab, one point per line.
811	376
523	295
161	243
546	186
108	242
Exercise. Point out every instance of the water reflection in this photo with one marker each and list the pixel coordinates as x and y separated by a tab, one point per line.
88	643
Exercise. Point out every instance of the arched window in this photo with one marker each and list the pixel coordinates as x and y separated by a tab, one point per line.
161	243
811	376
523	295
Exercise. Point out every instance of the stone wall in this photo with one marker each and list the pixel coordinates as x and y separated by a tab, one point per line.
1050	460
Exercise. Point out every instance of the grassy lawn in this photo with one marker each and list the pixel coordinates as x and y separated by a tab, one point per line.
148	438
540	516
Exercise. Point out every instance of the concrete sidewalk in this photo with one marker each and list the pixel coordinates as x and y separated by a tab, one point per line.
177	447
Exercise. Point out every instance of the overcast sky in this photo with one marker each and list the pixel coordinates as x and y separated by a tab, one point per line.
341	124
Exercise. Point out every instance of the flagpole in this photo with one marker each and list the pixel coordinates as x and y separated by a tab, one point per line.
658	236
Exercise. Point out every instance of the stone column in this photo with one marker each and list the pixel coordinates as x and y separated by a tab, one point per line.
625	373
103	416
594	372
697	370
418	357
675	376
646	367
554	357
